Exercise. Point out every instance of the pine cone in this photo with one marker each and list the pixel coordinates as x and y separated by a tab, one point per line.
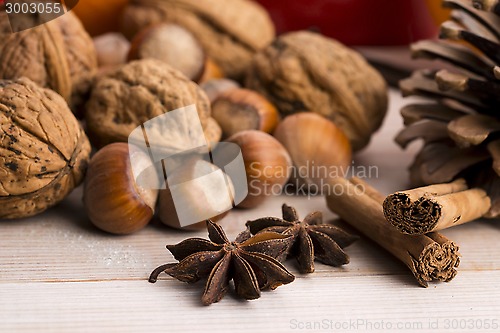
461	129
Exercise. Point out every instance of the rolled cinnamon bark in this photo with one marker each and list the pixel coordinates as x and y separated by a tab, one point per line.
429	257
435	207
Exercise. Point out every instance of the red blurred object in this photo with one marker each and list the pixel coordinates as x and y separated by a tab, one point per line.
356	22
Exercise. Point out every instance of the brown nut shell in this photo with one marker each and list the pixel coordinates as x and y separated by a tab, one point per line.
318	148
267	164
231	31
212	71
304	71
201	196
172	44
216	87
137	92
239	110
58	55
113	200
43	150
111	49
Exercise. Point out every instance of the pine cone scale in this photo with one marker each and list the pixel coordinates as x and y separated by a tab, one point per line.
461	129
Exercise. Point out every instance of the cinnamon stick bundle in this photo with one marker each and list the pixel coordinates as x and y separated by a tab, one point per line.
429	257
435	207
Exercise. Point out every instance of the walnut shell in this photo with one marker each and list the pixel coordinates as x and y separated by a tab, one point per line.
43	150
304	71
58	55
139	91
231	31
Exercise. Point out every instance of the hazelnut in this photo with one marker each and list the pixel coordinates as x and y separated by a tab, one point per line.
201	195
212	71
112	49
238	110
318	148
214	88
172	44
267	164
115	202
43	149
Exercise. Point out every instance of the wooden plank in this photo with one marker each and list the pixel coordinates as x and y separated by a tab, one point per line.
173	306
57	249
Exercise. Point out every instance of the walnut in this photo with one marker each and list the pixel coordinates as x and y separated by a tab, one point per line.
137	92
304	71
43	150
59	55
231	31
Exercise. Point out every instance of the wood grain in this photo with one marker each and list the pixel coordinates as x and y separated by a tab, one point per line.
169	305
60	274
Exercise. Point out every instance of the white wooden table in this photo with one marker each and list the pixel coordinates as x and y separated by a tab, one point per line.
59	274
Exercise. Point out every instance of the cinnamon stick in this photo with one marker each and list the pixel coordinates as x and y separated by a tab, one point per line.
436	207
429	257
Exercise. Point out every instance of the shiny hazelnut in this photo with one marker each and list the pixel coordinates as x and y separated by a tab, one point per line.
212	71
216	87
267	163
238	110
173	45
200	188
318	148
114	201
112	49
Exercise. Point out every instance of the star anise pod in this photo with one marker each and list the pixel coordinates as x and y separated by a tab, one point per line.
248	261
310	238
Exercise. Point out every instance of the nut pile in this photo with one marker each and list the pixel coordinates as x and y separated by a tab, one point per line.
283	105
231	31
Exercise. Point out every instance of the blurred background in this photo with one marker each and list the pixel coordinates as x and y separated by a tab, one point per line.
380	29
361	22
353	22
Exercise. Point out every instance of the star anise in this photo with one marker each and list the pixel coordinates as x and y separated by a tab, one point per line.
248	261
311	239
